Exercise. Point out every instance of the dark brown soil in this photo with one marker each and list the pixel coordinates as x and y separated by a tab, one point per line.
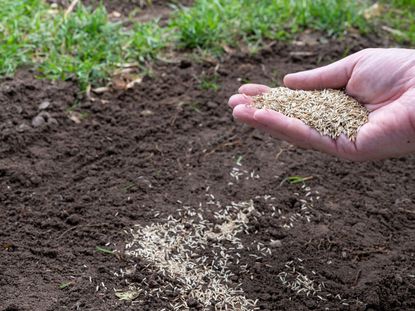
69	187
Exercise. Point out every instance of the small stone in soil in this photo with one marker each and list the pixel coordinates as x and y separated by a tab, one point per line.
38	121
146	113
212	104
43	118
22	128
44	105
275	243
19	109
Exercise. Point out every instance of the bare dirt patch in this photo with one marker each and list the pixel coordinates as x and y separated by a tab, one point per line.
137	158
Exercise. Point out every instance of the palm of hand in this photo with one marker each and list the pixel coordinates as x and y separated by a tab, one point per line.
382	79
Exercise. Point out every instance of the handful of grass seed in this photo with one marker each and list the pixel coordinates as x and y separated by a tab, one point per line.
330	112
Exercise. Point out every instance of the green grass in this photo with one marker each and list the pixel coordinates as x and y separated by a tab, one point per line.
400	15
296	179
85	45
88	47
104	250
212	24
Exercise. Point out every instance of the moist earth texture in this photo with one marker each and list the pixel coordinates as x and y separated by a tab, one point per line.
82	178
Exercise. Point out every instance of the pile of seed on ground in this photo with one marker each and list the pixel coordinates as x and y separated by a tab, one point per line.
330	112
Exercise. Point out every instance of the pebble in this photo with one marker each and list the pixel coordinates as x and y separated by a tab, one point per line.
275	243
19	109
212	104
35	180
22	128
44	105
398	278
75	116
52	121
146	113
131	270
38	121
43	118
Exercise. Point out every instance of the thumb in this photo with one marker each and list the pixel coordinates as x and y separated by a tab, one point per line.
334	76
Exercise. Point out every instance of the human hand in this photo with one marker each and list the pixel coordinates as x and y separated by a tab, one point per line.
381	79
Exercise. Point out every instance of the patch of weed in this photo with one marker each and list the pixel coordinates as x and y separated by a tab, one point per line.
209	83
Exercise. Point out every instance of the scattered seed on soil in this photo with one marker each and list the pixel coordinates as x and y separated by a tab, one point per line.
330	112
172	249
66	156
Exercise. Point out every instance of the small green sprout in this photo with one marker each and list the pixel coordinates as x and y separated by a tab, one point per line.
65	285
128	186
245	80
296	179
195	107
239	160
104	250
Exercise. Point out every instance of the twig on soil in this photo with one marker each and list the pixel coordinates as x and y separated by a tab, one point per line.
369	252
174	118
279	153
232	141
180	165
406	210
356	280
71	8
289	147
222	146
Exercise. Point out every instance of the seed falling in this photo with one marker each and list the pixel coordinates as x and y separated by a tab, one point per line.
330	112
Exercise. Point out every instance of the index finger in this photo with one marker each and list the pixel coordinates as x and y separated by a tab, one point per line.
333	76
252	89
